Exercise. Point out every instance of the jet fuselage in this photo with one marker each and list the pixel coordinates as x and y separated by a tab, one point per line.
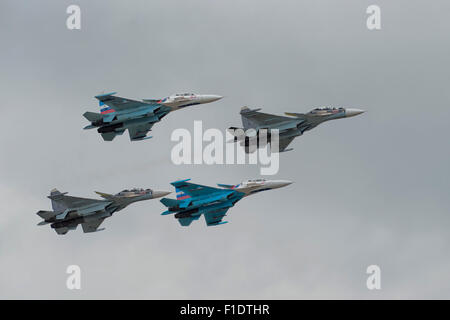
70	211
195	200
258	126
118	114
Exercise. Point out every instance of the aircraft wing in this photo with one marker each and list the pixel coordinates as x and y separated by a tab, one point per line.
92	226
139	132
66	228
119	103
215	218
256	120
109	136
194	190
187	221
74	202
283	143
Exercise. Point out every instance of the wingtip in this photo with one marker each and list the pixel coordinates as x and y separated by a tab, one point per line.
105	94
181	180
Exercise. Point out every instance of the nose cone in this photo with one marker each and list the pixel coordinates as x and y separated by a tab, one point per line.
280	183
159	194
210	98
353	112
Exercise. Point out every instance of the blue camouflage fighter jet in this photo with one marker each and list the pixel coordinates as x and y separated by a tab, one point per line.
194	200
118	114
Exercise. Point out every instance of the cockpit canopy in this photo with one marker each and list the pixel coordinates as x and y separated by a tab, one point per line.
134	191
183	94
327	108
251	181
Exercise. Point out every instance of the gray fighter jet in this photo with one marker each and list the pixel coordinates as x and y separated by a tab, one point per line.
68	212
256	123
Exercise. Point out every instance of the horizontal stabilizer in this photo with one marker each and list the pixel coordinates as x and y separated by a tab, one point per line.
92	116
46	214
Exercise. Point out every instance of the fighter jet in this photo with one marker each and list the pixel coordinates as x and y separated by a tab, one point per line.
68	212
255	123
193	200
118	114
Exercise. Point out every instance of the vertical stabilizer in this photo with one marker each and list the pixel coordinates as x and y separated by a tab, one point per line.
247	114
56	197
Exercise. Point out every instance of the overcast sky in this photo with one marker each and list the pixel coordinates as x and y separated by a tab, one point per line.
373	189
